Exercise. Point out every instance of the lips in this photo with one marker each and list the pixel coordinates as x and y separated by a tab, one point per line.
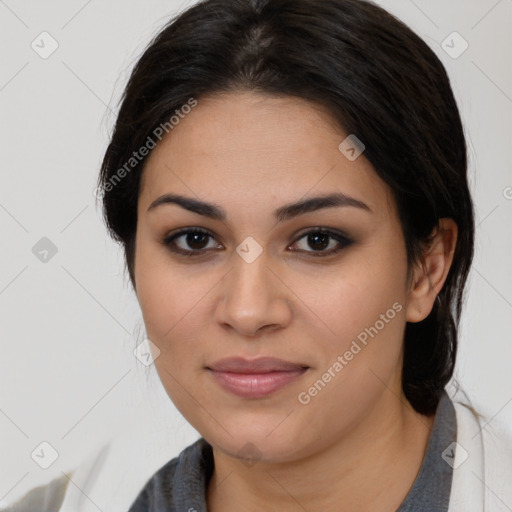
255	378
260	365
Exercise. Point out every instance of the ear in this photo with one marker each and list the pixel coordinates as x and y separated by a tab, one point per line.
428	280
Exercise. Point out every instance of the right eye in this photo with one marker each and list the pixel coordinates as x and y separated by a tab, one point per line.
196	239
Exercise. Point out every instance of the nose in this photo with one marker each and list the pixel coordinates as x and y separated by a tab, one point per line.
253	298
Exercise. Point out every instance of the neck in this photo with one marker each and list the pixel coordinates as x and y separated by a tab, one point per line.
370	468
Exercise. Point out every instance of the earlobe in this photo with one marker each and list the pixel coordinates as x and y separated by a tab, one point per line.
430	276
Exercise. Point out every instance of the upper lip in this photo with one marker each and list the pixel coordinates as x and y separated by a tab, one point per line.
259	365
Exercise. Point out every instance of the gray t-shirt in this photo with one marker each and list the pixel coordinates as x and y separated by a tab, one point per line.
180	485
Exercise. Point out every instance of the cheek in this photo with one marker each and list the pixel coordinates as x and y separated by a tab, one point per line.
177	316
171	307
164	294
365	310
362	304
353	296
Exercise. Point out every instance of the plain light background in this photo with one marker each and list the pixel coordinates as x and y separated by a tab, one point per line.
68	326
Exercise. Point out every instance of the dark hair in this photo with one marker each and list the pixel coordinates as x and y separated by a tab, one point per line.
377	78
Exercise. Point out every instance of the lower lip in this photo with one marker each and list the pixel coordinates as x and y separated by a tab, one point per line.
256	385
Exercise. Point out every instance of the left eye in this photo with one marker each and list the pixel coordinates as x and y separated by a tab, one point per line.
197	240
319	241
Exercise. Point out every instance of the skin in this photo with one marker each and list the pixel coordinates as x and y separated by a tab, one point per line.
358	442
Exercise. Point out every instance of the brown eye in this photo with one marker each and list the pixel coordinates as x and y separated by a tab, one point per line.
193	242
319	240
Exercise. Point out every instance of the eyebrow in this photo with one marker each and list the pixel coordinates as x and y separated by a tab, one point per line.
283	213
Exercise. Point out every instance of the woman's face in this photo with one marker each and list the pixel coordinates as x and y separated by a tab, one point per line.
256	285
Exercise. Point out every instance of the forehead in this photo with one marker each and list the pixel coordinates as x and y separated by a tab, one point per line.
241	147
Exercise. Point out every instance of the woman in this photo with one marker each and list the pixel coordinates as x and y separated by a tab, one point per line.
288	181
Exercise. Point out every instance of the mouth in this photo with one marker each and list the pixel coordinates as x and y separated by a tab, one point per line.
255	378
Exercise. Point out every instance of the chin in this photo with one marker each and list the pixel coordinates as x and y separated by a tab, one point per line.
256	444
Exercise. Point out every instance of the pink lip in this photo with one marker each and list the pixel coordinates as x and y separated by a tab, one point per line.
256	378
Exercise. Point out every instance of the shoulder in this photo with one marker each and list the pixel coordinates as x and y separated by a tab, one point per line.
489	432
482	466
44	498
111	474
159	488
182	479
53	496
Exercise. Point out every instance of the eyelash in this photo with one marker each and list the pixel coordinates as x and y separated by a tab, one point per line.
341	239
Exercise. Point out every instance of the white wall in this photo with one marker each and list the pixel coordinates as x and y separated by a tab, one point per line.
68	326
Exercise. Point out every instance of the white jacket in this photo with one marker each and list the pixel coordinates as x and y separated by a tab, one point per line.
111	478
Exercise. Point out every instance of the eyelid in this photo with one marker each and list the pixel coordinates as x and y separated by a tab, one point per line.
168	240
340	237
322	229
